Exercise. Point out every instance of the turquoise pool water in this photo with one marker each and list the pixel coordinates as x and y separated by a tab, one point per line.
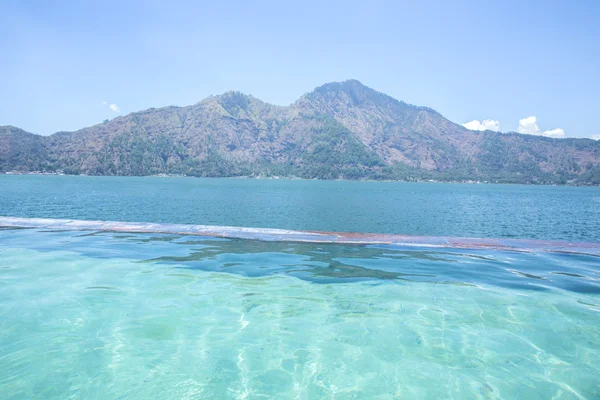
107	316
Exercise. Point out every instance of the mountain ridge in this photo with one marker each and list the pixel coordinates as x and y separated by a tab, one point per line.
339	130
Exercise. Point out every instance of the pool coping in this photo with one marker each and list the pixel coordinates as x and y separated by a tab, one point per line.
287	235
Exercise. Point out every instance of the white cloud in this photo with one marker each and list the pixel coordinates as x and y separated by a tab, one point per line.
486	124
595	137
555	133
113	107
529	126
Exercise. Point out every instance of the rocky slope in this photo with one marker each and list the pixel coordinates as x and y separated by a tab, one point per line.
339	130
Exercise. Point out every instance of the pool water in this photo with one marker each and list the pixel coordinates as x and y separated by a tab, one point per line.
107	316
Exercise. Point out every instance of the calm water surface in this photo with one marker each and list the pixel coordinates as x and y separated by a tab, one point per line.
535	212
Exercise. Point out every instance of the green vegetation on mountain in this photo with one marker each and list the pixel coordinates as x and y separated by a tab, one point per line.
338	131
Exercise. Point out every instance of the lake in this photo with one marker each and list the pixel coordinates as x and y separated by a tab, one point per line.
509	211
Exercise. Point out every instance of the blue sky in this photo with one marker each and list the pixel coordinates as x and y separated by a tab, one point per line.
64	63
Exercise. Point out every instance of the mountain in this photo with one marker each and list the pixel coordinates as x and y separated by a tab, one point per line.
339	130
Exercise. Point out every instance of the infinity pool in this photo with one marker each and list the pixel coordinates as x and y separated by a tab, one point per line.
106	316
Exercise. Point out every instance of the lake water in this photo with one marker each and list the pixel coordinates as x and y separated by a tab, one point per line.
90	315
533	212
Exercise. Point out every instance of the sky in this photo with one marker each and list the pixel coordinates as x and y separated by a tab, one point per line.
526	66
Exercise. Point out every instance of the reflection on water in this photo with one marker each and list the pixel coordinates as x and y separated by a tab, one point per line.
334	263
156	316
330	262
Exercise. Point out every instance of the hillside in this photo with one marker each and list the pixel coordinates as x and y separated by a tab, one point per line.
339	130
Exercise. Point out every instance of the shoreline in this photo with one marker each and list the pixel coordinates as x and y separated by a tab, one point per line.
287	178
